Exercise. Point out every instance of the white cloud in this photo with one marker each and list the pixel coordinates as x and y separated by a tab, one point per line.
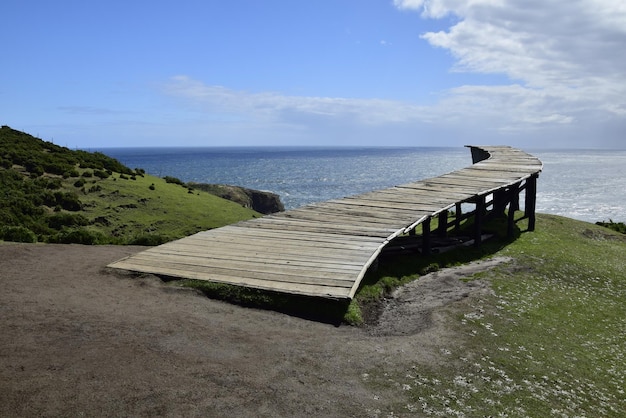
564	59
277	107
565	55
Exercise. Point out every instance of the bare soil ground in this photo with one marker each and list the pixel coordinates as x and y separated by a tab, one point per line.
79	339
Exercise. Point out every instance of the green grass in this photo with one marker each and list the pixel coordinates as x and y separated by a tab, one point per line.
550	341
149	205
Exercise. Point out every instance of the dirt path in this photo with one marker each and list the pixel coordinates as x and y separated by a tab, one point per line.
78	339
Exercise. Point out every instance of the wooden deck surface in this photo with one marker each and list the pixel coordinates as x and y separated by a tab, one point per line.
324	249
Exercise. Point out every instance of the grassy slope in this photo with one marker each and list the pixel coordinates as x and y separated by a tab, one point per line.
40	183
550	341
133	208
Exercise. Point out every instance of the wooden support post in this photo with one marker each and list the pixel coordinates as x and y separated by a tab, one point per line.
442	228
531	201
478	220
499	202
426	236
514	205
513	193
457	219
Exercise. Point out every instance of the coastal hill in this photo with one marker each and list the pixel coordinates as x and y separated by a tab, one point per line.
53	194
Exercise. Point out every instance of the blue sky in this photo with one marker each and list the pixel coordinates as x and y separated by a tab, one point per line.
527	73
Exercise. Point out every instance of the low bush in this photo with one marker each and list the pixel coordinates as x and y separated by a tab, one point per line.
101	174
60	220
615	226
78	236
149	240
169	179
17	234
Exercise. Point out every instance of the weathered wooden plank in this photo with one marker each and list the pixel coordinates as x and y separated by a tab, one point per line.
338	218
177	270
271	266
344	216
335	292
286	252
321	228
284	244
393	205
303	238
400	216
400	201
328	225
500	175
415	196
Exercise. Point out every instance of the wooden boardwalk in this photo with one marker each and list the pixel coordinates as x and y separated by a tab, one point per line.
325	249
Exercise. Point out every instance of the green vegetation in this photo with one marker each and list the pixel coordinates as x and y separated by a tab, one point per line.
615	226
52	194
549	341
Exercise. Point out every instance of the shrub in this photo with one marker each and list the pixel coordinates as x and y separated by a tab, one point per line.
17	234
169	179
78	236
101	174
53	184
34	169
148	240
71	173
615	226
68	201
58	221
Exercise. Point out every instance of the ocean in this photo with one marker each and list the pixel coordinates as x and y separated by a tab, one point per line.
588	185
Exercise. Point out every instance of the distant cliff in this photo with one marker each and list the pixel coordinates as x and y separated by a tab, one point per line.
260	201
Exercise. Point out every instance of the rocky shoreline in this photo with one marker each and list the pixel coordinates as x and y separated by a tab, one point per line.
258	200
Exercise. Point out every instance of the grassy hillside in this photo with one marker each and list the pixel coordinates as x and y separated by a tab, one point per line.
49	193
549	341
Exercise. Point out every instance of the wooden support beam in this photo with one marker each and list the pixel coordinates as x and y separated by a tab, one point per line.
426	236
500	200
531	200
513	195
458	216
442	228
479	214
514	204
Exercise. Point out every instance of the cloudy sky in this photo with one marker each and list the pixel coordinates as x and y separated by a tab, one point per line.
529	73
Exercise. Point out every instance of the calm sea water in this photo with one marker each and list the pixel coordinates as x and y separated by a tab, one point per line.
589	185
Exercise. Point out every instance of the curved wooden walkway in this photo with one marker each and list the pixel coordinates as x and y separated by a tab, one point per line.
324	249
